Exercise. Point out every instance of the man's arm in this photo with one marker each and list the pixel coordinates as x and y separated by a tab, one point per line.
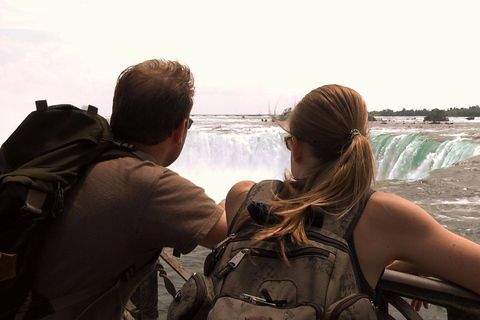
235	198
217	233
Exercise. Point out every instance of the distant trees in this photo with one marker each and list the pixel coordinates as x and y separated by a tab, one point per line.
285	114
472	111
436	115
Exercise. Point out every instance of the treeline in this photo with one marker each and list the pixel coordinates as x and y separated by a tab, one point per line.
473	111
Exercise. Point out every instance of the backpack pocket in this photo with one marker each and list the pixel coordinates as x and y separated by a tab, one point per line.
355	306
193	300
247	307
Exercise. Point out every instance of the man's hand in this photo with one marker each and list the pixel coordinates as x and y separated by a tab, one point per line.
417	305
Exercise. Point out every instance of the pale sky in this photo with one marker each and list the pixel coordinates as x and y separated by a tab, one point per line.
247	56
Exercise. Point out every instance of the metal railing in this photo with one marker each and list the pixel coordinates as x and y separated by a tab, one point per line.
460	303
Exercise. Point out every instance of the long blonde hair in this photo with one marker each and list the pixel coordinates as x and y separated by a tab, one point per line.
326	119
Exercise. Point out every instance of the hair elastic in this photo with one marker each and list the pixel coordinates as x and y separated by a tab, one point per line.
353	133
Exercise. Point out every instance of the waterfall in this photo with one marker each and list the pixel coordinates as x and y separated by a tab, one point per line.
413	156
222	151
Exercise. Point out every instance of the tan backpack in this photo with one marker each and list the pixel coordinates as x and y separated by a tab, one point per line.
245	280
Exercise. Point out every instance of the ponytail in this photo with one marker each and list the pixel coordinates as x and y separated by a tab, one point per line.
339	187
341	178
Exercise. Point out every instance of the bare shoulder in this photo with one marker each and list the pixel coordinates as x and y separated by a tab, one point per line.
390	208
379	233
387	200
235	197
396	221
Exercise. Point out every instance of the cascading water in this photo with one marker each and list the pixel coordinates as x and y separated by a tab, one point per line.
413	156
222	150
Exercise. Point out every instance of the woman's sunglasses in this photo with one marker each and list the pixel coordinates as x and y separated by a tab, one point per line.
288	142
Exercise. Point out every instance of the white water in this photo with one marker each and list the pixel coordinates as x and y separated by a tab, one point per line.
222	150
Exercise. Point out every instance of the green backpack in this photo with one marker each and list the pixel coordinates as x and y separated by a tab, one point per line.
39	163
249	281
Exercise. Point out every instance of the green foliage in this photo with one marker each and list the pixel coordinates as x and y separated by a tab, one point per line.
472	111
284	114
436	115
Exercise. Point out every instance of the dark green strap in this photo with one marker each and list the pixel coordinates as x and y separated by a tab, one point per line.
121	149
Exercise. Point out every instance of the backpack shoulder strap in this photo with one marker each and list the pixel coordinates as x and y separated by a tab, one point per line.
120	149
262	192
343	226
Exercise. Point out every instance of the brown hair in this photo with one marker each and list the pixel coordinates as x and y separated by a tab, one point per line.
343	172
151	99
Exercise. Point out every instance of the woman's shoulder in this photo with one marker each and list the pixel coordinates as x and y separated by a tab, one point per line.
389	212
387	201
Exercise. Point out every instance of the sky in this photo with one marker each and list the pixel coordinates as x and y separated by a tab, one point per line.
248	57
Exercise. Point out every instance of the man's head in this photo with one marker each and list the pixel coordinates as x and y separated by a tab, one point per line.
151	99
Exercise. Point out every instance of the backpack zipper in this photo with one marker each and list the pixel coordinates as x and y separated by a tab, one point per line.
329	241
256	300
221	243
310	235
337	244
233	263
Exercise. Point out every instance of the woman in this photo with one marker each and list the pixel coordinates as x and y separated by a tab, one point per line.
332	166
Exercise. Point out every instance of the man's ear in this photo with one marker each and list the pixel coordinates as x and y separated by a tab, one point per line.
179	133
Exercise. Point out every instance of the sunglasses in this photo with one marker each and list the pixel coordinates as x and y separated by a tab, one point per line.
288	142
189	123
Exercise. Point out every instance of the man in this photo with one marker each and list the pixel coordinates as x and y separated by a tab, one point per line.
121	212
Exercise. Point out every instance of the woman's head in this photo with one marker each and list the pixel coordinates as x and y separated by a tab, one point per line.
325	117
332	122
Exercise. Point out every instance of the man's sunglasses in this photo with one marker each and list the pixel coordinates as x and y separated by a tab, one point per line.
189	123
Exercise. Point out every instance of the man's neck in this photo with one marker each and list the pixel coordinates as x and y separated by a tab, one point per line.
160	152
